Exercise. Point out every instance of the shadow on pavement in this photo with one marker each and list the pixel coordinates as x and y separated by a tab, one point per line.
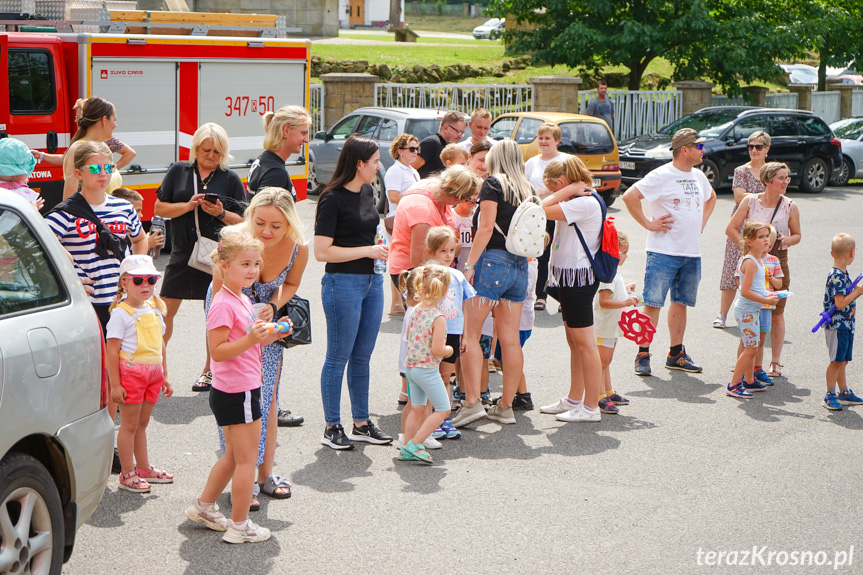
182	409
332	469
117	502
205	552
683	387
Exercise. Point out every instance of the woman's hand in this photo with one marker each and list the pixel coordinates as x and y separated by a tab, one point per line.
573	190
266	314
468	275
214	209
194	202
378	252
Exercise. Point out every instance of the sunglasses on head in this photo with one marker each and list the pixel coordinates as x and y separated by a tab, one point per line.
413	149
139	280
97	168
758	147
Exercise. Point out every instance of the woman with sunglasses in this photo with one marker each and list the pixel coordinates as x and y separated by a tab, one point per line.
398	179
746	181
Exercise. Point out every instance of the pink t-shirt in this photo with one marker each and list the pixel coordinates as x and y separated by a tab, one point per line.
417	206
242	373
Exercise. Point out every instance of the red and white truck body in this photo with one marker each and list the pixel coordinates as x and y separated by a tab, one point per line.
163	88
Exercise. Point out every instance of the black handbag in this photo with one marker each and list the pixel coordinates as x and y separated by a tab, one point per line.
300	312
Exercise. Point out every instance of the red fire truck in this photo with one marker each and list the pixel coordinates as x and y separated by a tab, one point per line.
163	88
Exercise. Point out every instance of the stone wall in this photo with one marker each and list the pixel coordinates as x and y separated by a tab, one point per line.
314	17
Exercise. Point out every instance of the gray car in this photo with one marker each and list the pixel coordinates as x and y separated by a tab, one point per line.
850	133
382	124
56	438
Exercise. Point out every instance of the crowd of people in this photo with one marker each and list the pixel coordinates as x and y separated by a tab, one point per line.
467	297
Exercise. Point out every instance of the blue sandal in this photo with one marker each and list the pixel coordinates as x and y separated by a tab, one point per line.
414	452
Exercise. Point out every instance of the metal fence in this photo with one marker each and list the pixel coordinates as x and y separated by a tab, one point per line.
826	105
857	103
726	101
316	106
782	100
638	112
498	99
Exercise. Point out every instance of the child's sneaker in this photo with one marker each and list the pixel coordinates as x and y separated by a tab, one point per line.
831	402
754	386
485	397
432	443
737	391
618	399
449	429
579	414
438	433
457	395
522	402
607	406
847	397
642	363
209	516
761	375
133	482
248	533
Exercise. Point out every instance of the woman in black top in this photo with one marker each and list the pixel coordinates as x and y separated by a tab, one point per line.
351	292
287	129
183	194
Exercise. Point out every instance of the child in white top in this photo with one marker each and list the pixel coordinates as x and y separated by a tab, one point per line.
137	370
611	299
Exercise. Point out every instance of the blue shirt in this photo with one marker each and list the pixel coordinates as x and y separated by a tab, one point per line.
451	305
839	283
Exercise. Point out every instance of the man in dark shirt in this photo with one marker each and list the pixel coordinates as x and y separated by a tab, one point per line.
451	130
601	107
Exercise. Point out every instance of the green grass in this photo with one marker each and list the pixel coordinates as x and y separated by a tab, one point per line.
442	23
412	54
424	40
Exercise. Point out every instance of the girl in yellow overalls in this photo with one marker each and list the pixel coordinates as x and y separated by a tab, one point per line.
136	368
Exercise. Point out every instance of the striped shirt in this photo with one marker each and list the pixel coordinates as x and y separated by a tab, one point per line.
78	237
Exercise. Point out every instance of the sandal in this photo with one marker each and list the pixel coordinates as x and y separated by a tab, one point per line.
153	475
775	369
132	482
403	402
254	505
204	382
719	322
273	483
412	452
539	305
397	309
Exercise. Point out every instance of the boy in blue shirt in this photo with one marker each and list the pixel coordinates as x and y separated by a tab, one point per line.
839	331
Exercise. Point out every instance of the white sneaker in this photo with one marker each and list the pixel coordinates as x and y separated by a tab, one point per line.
431	443
501	415
562	405
251	533
211	516
468	414
580	413
401	441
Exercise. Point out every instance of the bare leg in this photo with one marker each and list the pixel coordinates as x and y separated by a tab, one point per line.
265	469
507	318
583	345
777	337
129	414
653	314
576	374
726	298
472	361
745	363
676	323
173	306
142	459
606	354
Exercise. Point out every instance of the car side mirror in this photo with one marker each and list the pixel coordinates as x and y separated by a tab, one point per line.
737	137
320	136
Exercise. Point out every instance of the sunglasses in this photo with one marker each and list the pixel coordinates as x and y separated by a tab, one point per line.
758	147
696	146
414	149
139	280
97	168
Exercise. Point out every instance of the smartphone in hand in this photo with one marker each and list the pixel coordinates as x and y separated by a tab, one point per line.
212	198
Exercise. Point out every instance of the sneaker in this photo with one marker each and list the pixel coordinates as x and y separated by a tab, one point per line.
248	533
209	516
562	405
432	443
618	399
401	441
522	402
501	414
370	434
457	394
468	414
438	433
335	437
449	429
485	397
737	391
761	375
847	397
286	419
607	406
580	413
754	386
682	362
831	402
642	363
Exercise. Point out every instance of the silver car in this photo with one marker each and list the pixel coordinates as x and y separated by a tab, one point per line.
381	124
56	438
850	133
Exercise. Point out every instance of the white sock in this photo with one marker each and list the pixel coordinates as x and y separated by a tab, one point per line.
239	526
202	505
590	409
573	403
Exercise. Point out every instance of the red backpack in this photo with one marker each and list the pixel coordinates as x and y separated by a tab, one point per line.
605	261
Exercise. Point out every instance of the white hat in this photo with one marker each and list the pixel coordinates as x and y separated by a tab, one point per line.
139	265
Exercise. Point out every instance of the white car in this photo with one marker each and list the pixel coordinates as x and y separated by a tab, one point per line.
850	133
491	29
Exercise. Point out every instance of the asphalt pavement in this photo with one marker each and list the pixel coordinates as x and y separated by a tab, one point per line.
682	478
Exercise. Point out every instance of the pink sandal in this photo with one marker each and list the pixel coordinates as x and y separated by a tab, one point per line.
154	475
133	482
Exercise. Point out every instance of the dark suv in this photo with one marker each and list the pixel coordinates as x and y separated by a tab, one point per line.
800	139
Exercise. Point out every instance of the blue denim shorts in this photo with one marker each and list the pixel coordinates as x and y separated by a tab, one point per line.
840	344
678	273
766	323
501	275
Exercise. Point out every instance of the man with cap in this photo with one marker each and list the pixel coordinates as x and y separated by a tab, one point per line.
16	165
681	201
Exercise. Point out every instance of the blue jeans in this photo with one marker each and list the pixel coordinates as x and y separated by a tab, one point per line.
501	275
677	273
353	305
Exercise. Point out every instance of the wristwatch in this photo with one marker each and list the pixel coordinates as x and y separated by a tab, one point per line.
468	267
275	310
222	215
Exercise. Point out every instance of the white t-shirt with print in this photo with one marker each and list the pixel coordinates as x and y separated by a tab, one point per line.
468	144
535	167
569	265
681	194
605	320
464	234
399	177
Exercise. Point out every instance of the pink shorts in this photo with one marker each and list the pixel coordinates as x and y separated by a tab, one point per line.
141	381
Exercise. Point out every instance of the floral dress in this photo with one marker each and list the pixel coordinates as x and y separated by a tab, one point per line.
743	178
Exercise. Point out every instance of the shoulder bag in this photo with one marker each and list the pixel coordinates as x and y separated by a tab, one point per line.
202	252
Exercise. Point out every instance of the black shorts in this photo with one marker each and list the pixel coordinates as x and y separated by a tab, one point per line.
235	408
103	313
454	340
576	304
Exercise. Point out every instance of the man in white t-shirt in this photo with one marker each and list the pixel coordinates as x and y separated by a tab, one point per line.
480	124
681	201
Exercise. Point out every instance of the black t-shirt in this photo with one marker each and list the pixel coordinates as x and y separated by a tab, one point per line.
491	190
178	186
430	149
269	170
351	219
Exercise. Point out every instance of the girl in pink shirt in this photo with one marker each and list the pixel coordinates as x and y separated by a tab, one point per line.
235	338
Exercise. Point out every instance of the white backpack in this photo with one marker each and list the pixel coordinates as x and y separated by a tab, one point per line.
527	234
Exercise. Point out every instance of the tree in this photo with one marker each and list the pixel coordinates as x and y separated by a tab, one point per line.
834	33
395	13
724	40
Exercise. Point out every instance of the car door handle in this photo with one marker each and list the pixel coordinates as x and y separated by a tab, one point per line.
51	142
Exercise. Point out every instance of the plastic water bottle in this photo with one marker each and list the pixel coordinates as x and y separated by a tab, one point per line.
157	226
381	240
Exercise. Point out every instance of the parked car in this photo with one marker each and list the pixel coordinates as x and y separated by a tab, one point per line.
382	124
850	133
584	136
853	79
57	439
491	29
801	73
800	139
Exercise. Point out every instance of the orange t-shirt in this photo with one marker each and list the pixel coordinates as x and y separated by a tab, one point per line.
417	206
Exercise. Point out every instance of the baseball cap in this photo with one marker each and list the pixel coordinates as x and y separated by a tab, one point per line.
139	265
15	158
685	137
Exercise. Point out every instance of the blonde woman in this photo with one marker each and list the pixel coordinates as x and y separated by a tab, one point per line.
500	280
183	193
286	130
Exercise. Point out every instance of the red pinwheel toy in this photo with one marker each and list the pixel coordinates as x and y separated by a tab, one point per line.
637	326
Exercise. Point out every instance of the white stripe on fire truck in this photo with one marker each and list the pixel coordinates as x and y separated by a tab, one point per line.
37	141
